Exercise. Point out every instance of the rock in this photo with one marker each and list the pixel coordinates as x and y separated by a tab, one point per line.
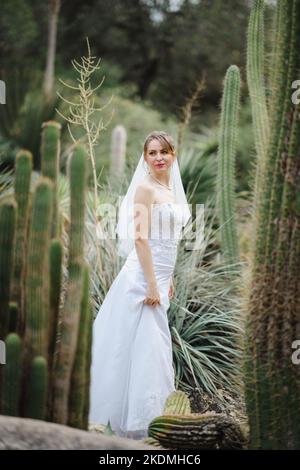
25	434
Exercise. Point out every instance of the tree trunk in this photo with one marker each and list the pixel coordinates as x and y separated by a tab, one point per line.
54	6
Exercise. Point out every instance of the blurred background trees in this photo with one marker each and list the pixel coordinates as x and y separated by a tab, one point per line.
153	53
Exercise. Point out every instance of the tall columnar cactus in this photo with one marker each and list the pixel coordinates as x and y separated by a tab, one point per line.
118	151
78	379
13	316
37	279
272	380
43	308
23	169
257	91
11	388
77	170
88	354
50	150
226	162
55	261
37	388
8	211
66	347
70	317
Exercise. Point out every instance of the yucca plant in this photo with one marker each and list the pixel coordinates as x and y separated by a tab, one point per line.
204	318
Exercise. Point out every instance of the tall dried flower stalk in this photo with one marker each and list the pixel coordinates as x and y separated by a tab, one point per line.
80	114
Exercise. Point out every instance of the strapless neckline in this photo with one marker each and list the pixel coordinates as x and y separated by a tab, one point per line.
162	203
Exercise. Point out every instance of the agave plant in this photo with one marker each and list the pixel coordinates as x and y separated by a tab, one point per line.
204	317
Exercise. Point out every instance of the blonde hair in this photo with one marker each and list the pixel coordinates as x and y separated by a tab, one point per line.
165	139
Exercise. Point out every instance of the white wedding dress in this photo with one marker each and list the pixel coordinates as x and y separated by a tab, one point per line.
131	370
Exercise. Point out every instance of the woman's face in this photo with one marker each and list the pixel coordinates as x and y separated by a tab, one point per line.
158	157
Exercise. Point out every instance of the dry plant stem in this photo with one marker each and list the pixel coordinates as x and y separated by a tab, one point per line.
80	115
187	110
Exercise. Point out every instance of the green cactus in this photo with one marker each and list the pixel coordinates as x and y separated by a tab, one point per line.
23	170
272	381
12	375
270	201
37	389
56	258
66	347
88	352
78	181
8	214
70	318
37	279
226	161
13	317
50	151
256	86
32	291
177	403
78	379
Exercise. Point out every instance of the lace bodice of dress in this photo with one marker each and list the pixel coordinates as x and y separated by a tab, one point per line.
166	224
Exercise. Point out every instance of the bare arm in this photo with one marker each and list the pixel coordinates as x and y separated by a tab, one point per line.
172	287
143	200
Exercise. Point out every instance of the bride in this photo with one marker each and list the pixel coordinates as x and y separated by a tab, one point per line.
131	369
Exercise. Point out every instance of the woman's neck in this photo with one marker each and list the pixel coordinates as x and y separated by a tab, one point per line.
163	179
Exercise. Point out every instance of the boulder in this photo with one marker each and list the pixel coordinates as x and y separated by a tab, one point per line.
26	434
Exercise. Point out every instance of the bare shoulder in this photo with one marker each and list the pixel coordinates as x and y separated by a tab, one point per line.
144	193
